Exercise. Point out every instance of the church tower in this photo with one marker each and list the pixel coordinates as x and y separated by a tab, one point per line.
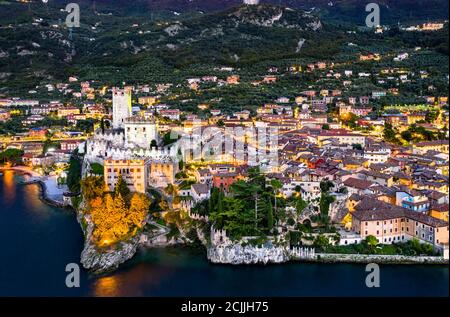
121	106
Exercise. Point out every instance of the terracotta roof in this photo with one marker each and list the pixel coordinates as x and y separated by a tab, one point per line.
370	209
357	183
432	143
380	215
376	174
440	207
423	218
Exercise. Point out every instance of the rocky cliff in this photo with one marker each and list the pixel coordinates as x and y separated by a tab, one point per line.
101	261
238	254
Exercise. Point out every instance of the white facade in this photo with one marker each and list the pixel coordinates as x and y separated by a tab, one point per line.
121	107
140	132
377	156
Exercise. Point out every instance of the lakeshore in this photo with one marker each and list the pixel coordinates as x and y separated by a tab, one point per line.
50	238
52	194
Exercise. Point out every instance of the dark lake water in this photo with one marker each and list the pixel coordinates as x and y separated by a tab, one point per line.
38	241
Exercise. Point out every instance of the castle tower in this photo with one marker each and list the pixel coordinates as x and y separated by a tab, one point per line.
121	107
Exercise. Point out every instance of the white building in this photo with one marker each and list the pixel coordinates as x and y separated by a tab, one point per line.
140	132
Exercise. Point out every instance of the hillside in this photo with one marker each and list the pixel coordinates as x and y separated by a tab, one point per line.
118	43
352	11
38	47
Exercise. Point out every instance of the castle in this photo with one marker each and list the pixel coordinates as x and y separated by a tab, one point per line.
131	138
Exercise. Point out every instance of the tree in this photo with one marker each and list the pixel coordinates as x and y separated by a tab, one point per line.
276	185
102	125
92	187
122	188
407	136
139	208
431	116
97	169
181	165
13	156
269	216
300	205
326	126
371	241
74	174
321	242
324	203
326	185
389	134
349	119
167	138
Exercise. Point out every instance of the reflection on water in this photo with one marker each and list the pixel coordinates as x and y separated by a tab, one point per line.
9	186
107	286
137	280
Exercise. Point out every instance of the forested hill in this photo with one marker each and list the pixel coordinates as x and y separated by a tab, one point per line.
353	11
118	42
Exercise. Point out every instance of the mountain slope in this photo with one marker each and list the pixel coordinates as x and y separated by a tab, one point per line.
392	11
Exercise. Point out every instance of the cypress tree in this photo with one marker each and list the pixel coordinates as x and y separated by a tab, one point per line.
269	216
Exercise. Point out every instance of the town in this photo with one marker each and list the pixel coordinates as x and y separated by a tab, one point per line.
341	163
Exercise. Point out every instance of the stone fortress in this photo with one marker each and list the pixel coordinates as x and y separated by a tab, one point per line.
132	138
